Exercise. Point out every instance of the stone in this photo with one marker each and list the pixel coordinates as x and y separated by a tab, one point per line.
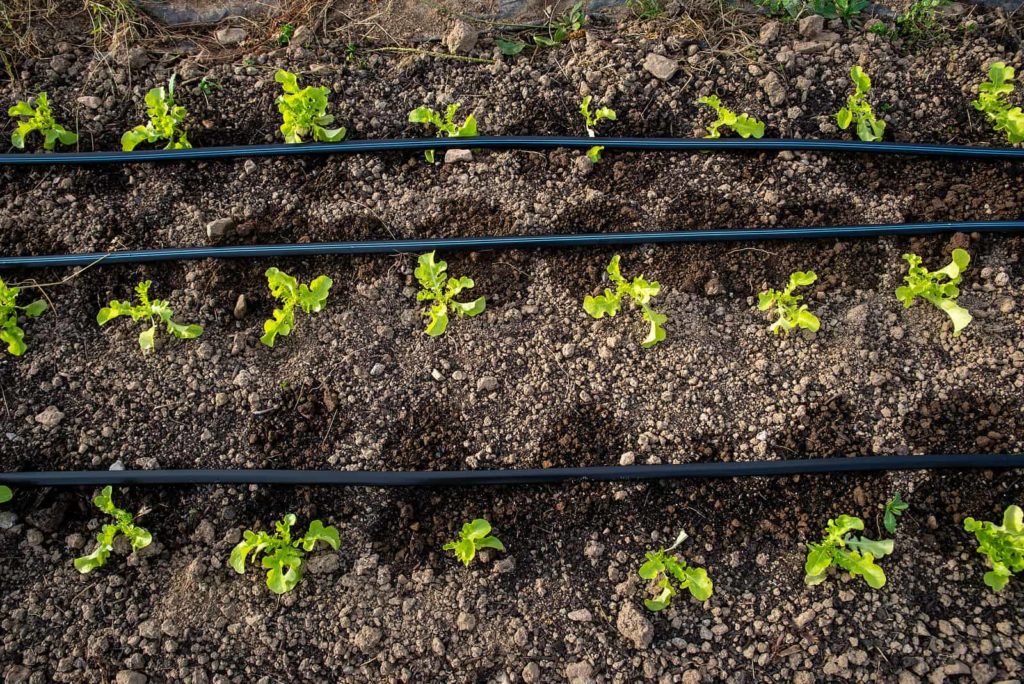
661	67
50	417
466	622
219	228
462	38
367	638
581	615
487	384
584	165
90	102
323	563
241	307
231	35
130	677
579	673
632	624
531	673
774	88
769	33
458	156
811	25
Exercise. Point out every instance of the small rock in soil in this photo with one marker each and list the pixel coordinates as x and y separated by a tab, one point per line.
231	35
456	156
661	67
634	626
462	38
50	417
219	228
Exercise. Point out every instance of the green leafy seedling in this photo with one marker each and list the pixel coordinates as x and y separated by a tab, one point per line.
285	33
561	28
941	287
286	289
445	125
662	566
858	111
474	536
152	310
592	119
138	537
640	291
992	100
441	289
792	314
856	555
5	494
37	116
839	9
1002	544
894	508
282	555
10	332
304	111
165	119
743	124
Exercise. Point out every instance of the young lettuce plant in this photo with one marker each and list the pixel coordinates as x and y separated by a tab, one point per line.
446	125
10	333
304	111
474	536
894	508
856	555
858	111
744	124
165	119
1002	544
992	101
286	289
282	555
791	313
592	119
138	537
38	118
939	287
441	289
152	310
663	566
640	291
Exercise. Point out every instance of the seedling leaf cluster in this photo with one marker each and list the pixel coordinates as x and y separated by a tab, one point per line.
282	556
37	116
10	332
304	111
165	120
940	288
1003	545
155	311
446	124
858	111
792	314
474	536
993	101
672	575
640	291
840	548
286	289
592	119
744	125
441	289
124	523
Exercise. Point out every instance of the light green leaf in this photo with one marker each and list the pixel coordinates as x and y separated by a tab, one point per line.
318	532
283	569
5	494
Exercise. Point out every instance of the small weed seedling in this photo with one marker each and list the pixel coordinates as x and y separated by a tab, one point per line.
284	34
894	508
640	291
165	119
446	125
304	111
782	8
1002	544
282	556
744	124
286	289
152	310
663	566
856	555
839	9
920	21
556	31
441	289
137	536
939	287
39	118
646	10
474	536
592	119
10	333
992	101
792	314
5	494
858	111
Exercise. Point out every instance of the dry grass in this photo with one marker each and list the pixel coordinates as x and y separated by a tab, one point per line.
116	25
20	21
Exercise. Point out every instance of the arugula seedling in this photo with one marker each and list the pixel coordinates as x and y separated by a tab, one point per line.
858	111
38	118
640	291
5	494
10	333
894	508
441	289
791	313
992	100
919	20
939	287
856	555
152	310
1002	544
664	566
560	29
592	119
474	536
429	117
165	119
743	124
304	111
283	287
138	537
282	556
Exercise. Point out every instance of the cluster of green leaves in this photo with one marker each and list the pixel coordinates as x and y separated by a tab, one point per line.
282	555
1002	544
856	555
554	33
838	9
792	314
592	119
743	124
992	100
138	537
304	111
474	536
640	291
446	125
10	333
5	494
917	23
858	111
285	33
37	116
778	8
663	566
286	289
152	310
645	10
439	288
165	119
941	287
894	508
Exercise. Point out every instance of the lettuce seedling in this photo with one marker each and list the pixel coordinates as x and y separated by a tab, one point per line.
283	287
791	313
429	117
663	566
441	289
858	111
137	536
992	101
640	291
304	111
1002	544
939	287
10	333
894	508
856	555
5	494
744	124
592	119
151	310
38	118
165	119
474	536
282	556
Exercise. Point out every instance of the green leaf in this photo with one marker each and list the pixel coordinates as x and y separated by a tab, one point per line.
438	323
317	532
1013	519
15	339
878	549
477	529
490	543
864	566
656	333
465	550
996	580
5	494
473	308
283	569
594	153
421	115
699	584
251	544
36	308
601	305
146	339
509	48
96	559
819	558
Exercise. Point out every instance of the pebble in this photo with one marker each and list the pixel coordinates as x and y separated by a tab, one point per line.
231	35
458	156
50	417
462	38
466	622
487	383
661	67
634	626
241	307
